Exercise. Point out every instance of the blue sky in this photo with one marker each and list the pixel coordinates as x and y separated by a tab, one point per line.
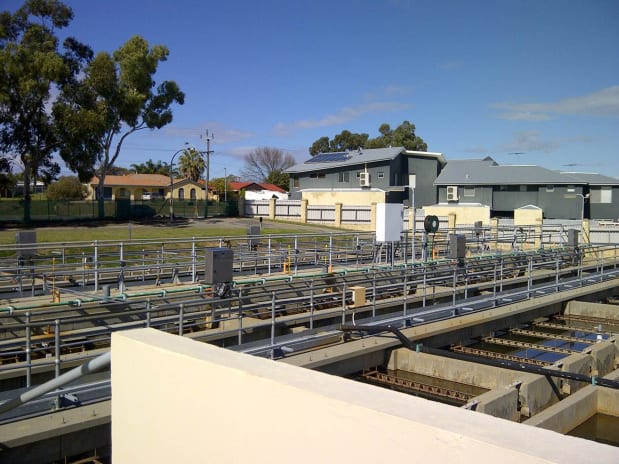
477	78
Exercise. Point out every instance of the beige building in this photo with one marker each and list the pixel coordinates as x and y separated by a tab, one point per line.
147	187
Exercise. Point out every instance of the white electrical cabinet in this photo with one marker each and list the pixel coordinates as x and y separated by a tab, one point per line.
389	221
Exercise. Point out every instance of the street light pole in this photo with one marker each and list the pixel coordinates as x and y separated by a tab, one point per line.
582	213
172	182
206	168
412	183
225	184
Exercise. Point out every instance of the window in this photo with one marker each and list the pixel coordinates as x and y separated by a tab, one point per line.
602	195
295	182
343	177
317	176
358	174
550	188
181	193
381	174
571	189
469	191
192	194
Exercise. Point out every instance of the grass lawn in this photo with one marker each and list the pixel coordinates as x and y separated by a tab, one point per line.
149	231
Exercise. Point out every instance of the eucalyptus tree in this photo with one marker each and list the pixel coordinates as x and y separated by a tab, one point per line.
402	136
33	67
191	164
116	96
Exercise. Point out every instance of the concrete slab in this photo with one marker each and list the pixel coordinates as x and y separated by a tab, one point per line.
604	358
584	308
501	402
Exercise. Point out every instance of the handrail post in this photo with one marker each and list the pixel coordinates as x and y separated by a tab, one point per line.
240	306
311	304
272	325
28	352
57	347
181	315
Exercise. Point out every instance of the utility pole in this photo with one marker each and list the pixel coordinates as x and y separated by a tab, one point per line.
206	168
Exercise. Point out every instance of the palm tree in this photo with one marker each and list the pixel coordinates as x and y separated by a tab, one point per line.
191	164
150	167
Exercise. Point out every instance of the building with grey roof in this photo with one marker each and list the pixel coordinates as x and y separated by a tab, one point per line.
562	195
367	175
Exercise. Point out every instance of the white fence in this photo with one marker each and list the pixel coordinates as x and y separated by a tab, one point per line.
553	231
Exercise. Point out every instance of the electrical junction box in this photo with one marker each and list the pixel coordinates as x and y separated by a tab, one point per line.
572	237
358	296
28	243
253	233
389	222
457	246
218	268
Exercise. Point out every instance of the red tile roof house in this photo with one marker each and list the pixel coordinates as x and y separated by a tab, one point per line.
259	191
139	186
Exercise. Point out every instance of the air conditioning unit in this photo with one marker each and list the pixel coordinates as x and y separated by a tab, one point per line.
452	193
364	179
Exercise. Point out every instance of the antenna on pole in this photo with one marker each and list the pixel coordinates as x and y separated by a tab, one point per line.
208	152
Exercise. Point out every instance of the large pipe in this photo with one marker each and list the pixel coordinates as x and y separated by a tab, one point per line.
503	363
89	367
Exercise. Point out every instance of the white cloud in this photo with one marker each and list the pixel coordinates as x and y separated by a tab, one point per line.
524	116
222	133
342	116
397	90
238	152
530	141
450	65
604	102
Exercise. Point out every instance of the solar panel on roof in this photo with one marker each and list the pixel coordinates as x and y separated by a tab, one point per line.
329	157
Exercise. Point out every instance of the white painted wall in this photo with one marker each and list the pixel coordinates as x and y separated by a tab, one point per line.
179	400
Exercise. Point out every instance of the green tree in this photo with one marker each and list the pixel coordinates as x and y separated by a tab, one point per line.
31	65
322	145
347	140
343	141
116	96
279	178
191	164
8	181
402	136
66	188
262	161
151	167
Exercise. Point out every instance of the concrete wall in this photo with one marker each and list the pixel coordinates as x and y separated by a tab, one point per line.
465	214
603	358
578	407
500	402
569	413
346	197
574	363
177	400
584	308
535	392
528	216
